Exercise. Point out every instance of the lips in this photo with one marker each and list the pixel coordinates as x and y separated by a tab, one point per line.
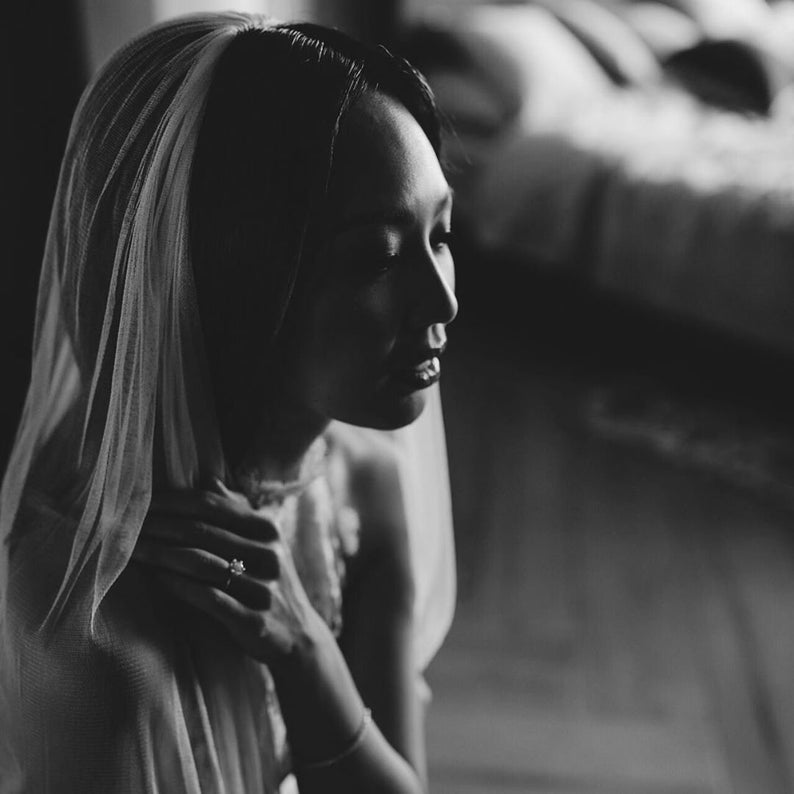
420	371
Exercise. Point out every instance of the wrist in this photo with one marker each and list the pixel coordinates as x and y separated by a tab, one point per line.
310	765
321	706
304	655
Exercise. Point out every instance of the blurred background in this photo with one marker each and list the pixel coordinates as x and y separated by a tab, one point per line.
619	385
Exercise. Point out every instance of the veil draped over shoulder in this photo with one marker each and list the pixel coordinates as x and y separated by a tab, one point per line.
99	695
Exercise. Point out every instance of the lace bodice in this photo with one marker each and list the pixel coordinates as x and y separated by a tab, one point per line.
322	529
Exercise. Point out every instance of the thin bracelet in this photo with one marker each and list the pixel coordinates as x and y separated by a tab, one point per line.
355	743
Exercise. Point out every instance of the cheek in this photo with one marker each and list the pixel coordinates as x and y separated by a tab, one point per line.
366	321
376	312
349	341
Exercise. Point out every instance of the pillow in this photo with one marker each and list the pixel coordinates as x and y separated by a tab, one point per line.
665	30
522	56
474	85
469	103
615	45
725	19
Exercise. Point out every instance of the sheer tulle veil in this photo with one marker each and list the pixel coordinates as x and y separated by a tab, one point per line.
109	376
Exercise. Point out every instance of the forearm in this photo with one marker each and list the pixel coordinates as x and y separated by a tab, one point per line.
323	712
268	613
374	767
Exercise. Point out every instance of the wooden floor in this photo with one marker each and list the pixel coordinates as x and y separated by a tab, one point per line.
624	624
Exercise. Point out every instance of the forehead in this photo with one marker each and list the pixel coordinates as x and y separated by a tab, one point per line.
383	159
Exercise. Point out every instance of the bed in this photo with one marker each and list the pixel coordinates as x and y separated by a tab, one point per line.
580	144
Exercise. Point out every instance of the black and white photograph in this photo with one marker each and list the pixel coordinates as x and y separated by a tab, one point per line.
397	397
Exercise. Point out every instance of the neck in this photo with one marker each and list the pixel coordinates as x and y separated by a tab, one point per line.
285	444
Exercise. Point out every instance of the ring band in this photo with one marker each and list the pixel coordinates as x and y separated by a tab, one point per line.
235	568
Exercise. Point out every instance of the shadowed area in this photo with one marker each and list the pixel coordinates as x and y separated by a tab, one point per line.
624	616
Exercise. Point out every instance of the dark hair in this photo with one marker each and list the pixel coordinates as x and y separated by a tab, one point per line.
260	177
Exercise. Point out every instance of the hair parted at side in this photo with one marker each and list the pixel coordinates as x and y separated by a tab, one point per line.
264	157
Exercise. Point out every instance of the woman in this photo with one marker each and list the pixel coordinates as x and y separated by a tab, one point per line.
209	581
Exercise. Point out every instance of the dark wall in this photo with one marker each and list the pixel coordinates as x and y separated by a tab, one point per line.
43	74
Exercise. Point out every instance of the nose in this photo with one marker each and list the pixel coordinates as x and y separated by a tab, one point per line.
434	299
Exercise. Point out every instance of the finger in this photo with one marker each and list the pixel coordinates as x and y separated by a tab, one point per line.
218	486
211	482
260	559
227	510
204	567
247	626
211	600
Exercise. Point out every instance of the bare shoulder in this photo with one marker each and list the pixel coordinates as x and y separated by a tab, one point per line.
370	461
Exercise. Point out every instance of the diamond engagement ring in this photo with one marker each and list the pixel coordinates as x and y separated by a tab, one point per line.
235	568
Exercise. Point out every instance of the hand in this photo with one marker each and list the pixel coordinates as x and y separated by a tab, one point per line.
190	538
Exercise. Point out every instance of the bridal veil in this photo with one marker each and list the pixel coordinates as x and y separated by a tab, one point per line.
105	374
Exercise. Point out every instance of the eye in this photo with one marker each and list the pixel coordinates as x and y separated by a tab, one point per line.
367	253
382	263
442	240
369	265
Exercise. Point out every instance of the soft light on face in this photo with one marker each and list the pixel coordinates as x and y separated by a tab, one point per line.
370	337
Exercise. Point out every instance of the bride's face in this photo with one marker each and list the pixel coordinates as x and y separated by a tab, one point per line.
373	327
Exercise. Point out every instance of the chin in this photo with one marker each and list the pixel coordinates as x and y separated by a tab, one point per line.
392	413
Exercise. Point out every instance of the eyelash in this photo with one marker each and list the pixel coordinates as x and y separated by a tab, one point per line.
443	240
387	261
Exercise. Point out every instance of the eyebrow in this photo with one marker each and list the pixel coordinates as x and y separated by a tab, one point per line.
393	216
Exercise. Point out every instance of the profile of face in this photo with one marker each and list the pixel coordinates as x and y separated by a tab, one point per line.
373	327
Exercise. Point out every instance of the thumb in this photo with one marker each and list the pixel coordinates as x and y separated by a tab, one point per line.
212	482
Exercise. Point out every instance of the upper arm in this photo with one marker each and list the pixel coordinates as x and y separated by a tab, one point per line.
377	639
